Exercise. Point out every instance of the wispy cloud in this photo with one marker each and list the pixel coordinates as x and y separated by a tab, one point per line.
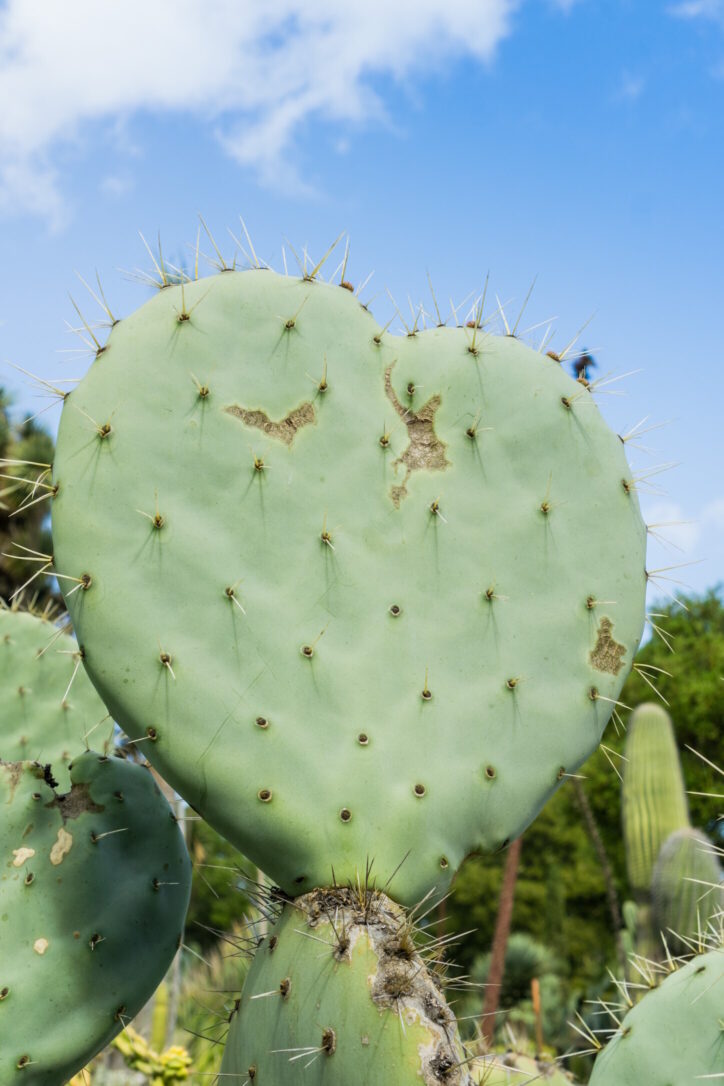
698	9
631	87
255	71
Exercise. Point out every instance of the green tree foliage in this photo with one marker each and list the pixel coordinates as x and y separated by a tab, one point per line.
220	892
23	440
560	895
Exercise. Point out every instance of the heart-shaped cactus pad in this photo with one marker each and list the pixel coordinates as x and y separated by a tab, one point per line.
361	598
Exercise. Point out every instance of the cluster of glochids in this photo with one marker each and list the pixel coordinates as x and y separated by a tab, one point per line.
328	580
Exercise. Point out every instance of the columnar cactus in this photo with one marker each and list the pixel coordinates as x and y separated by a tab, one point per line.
334	584
653	794
93	894
654	805
686	888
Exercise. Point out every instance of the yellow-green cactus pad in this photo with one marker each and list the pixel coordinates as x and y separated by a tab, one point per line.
675	1035
338	995
514	1069
358	597
50	709
94	886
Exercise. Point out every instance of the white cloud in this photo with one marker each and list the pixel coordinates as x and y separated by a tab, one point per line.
631	87
698	9
255	71
116	185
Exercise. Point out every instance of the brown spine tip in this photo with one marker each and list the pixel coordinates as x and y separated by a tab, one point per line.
345	814
264	795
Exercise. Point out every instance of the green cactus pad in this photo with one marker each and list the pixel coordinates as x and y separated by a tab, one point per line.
686	888
359	597
42	719
338	995
653	795
675	1035
94	886
513	1069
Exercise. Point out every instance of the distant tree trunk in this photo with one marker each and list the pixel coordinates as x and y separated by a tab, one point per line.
500	940
611	894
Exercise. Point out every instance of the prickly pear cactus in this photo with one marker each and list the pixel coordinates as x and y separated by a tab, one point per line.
352	593
653	796
513	1069
686	889
339	993
675	1034
50	709
94	887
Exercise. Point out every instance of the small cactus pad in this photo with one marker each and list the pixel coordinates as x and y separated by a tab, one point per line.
338	995
653	796
687	889
675	1035
94	886
51	711
359	597
513	1069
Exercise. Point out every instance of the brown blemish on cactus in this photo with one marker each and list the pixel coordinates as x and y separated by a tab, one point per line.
75	803
285	430
14	771
425	451
265	795
607	654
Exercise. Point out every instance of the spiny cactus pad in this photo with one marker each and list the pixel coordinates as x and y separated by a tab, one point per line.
653	796
337	993
686	889
358	596
42	718
675	1035
513	1069
94	886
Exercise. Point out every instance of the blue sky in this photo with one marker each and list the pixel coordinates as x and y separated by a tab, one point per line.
580	142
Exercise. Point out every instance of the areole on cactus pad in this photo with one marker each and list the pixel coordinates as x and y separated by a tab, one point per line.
359	597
